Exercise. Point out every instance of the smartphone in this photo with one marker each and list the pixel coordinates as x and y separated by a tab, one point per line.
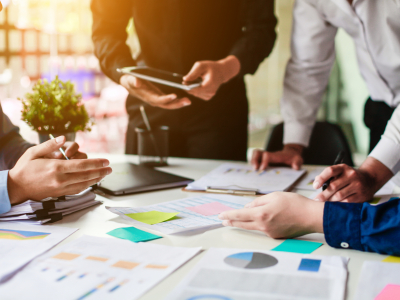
161	77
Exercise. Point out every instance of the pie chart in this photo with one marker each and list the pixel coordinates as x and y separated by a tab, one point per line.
251	260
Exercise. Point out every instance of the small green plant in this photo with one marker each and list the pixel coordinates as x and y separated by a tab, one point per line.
54	107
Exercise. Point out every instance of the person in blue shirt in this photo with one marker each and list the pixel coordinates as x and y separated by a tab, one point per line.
37	172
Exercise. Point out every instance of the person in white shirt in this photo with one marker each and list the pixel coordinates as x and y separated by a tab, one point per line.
375	29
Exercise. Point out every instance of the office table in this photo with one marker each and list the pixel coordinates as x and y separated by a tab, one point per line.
97	221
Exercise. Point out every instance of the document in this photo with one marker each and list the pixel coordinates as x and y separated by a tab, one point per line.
378	279
306	182
97	268
20	243
234	176
190	216
238	274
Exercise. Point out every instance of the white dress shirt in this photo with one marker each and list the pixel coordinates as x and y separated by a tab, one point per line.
374	26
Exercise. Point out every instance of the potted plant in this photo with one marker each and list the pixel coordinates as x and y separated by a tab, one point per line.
54	107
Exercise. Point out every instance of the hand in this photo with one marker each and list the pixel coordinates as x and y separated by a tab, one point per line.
352	185
149	93
290	155
213	74
278	215
71	151
35	177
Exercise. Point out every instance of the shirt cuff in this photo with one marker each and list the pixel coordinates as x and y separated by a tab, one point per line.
388	153
342	225
296	133
5	204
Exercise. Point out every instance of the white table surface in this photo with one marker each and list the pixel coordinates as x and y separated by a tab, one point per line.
97	221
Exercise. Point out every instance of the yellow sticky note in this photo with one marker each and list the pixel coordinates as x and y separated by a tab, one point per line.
392	259
152	217
375	200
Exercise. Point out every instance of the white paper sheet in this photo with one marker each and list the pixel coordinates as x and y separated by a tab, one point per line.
20	243
243	177
374	277
97	268
387	189
187	220
306	182
228	274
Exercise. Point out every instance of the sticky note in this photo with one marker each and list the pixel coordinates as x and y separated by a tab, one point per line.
298	246
375	200
209	209
310	265
390	292
133	234
392	259
152	217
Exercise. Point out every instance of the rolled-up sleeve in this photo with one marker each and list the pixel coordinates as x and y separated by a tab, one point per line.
387	151
307	72
5	205
363	227
258	34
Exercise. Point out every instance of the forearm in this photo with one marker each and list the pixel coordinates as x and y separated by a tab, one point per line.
231	67
12	148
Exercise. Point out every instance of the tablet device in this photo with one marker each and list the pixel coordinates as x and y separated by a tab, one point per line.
128	178
161	77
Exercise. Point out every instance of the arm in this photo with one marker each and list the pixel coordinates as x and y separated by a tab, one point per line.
306	78
5	204
254	45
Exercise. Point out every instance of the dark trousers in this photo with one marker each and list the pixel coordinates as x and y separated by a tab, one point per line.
376	117
215	129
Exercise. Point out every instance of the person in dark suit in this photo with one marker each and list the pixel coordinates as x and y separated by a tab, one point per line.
218	41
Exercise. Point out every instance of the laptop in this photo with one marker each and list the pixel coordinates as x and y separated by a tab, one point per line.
128	178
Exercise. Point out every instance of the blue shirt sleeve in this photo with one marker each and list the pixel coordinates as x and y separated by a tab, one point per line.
5	205
363	227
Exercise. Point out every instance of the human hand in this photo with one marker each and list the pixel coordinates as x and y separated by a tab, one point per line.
290	155
352	185
35	177
278	215
71	151
213	74
149	93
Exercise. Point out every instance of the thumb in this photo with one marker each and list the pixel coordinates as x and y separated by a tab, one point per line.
195	72
47	147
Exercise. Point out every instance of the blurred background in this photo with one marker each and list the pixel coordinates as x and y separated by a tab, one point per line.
44	38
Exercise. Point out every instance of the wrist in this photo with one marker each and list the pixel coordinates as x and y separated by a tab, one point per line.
15	192
375	173
294	148
315	216
230	67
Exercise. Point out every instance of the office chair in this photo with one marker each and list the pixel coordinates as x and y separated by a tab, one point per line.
326	141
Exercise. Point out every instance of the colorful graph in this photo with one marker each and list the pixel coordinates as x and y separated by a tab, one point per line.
251	260
21	235
101	285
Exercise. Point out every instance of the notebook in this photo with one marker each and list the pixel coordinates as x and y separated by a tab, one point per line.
128	178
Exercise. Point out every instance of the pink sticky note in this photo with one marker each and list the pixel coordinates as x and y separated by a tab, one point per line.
209	209
390	292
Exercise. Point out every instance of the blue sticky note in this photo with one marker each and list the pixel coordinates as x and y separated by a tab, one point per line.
133	234
310	265
298	246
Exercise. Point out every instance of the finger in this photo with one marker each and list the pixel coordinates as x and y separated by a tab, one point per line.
343	194
79	165
79	155
196	72
46	148
326	174
54	155
71	149
238	224
78	177
176	104
265	160
244	214
297	162
258	202
255	159
79	187
334	187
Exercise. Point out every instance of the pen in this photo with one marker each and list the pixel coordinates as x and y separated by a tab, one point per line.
338	160
145	119
61	149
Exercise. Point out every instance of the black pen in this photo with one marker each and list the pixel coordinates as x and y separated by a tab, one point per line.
338	160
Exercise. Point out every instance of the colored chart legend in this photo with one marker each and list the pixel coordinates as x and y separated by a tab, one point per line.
66	256
21	235
125	265
160	267
97	258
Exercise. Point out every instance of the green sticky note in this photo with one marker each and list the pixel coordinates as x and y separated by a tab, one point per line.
298	246
133	234
152	217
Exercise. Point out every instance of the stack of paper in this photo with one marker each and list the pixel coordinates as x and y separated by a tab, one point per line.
96	268
21	243
49	209
241	177
247	274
